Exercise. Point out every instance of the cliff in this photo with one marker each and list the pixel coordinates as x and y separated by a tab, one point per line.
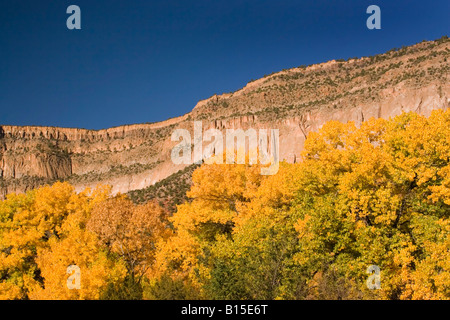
295	101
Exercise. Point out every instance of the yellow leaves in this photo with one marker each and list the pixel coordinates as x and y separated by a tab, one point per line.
431	277
130	231
277	190
41	234
442	191
80	249
30	220
377	178
225	200
179	253
377	195
10	291
301	225
222	184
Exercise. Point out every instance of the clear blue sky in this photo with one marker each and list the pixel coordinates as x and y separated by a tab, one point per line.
144	61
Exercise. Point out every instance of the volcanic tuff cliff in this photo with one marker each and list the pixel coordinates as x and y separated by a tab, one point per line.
296	101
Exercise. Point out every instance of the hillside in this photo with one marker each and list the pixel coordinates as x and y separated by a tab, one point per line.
169	192
295	101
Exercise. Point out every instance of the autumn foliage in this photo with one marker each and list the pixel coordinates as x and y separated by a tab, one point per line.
48	229
374	195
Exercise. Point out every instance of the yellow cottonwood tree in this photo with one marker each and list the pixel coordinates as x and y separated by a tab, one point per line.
218	194
130	231
41	234
373	195
28	221
77	246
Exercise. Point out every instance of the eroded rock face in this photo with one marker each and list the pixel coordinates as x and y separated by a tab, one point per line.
295	101
47	166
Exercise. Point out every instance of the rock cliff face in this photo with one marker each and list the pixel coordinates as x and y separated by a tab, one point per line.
295	101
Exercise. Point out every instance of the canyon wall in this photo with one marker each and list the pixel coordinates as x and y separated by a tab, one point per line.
295	101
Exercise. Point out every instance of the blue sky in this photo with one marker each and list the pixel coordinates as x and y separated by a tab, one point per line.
145	61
